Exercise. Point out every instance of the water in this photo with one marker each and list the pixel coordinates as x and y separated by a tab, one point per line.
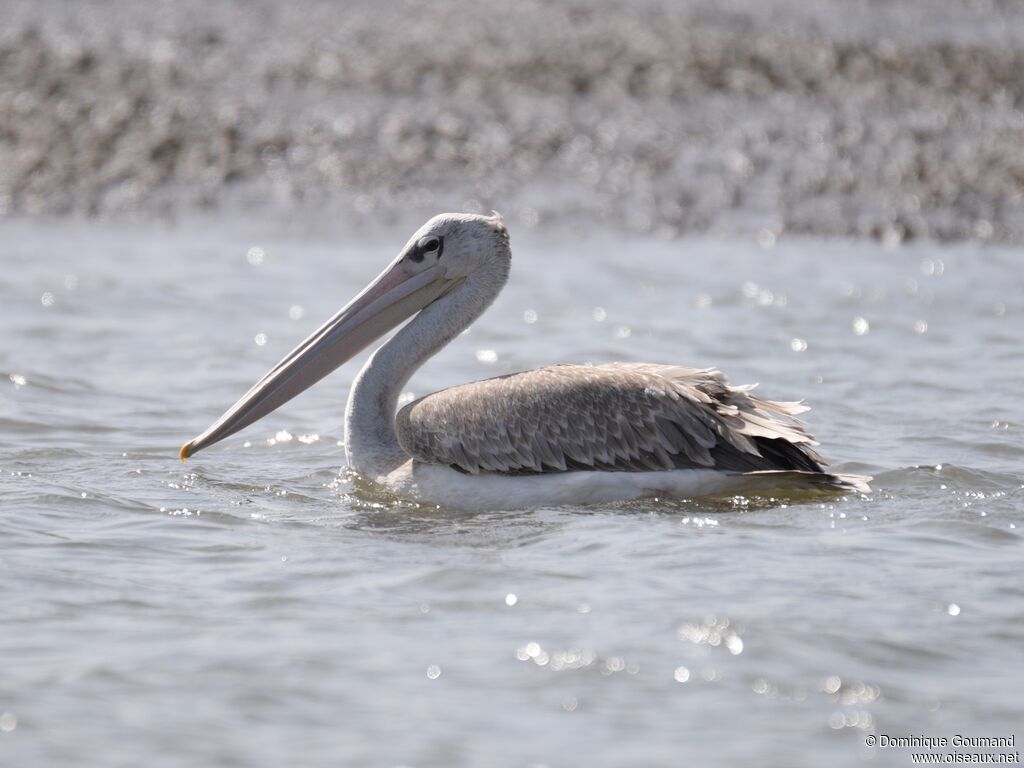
251	607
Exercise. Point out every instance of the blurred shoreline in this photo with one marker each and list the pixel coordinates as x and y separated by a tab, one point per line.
849	118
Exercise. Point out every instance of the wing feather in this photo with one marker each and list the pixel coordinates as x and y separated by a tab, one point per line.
618	417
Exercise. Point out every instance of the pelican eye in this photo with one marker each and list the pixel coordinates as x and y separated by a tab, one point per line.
431	244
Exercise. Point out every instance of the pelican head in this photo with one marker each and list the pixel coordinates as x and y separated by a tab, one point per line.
443	254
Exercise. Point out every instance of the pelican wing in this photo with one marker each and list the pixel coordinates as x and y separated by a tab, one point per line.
615	417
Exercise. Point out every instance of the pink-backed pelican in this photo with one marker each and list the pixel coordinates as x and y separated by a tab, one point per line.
564	434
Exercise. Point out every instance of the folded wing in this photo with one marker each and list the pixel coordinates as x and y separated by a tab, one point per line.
626	417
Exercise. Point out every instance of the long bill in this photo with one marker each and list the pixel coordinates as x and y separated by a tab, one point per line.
394	296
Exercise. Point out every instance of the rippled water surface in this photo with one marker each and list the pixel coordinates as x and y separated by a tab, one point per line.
253	608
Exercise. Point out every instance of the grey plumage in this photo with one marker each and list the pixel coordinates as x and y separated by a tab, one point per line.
615	417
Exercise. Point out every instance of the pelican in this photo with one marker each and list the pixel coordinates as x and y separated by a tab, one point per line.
564	434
